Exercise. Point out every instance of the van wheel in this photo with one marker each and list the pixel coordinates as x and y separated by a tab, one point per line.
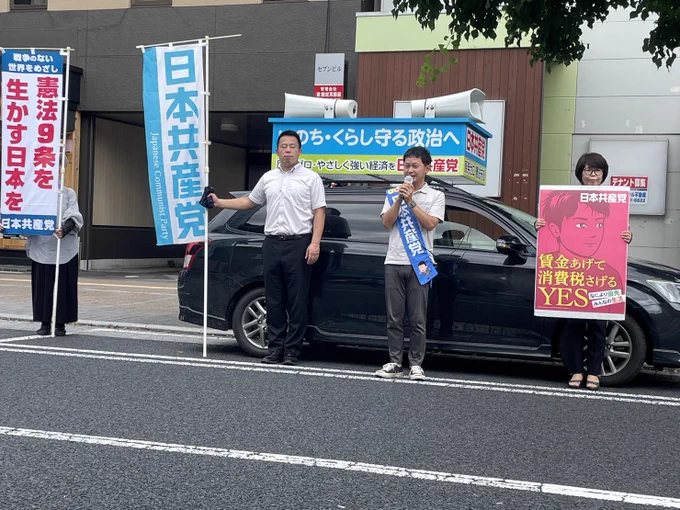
625	352
250	323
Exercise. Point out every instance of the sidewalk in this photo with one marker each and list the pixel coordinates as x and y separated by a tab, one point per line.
140	299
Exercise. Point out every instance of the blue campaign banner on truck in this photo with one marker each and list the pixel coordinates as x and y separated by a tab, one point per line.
31	117
174	118
376	146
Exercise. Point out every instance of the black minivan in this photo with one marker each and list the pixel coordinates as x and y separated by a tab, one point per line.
481	302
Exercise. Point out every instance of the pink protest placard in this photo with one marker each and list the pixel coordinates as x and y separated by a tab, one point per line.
582	262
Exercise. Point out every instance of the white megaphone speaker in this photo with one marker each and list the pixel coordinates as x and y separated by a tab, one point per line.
319	107
468	104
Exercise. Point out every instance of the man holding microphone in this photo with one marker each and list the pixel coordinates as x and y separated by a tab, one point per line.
411	214
296	211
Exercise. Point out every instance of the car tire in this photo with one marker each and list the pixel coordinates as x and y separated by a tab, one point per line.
250	323
623	337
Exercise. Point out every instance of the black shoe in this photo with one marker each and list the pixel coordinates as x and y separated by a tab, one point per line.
290	359
44	329
273	358
60	331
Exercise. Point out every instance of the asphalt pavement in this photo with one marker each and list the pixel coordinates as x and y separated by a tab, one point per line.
105	418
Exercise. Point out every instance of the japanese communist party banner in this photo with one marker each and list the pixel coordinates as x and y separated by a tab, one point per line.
582	261
32	88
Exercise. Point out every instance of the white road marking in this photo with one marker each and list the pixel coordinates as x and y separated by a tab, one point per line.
349	466
16	339
93	284
342	374
198	336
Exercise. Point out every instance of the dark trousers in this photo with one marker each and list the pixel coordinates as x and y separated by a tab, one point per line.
593	334
42	289
403	291
286	285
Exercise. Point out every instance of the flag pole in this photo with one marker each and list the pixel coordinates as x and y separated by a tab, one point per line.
206	247
62	175
188	41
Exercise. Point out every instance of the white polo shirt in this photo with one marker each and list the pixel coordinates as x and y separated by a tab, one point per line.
291	198
433	203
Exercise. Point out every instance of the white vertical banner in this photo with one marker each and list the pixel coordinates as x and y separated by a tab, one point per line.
175	123
32	110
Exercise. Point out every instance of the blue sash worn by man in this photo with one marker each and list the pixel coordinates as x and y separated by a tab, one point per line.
411	213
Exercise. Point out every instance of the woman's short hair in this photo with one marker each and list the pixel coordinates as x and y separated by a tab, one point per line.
593	160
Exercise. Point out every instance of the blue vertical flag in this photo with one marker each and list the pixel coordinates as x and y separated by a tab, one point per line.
174	118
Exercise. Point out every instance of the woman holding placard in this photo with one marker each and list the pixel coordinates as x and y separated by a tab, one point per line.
591	170
42	250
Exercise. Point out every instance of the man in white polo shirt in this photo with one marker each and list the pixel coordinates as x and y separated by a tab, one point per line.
403	289
296	211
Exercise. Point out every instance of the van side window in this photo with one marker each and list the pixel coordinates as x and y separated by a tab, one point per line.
355	221
250	220
467	230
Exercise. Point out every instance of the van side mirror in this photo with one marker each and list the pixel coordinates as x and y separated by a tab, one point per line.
507	244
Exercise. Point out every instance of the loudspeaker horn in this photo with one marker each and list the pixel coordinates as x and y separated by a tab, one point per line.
319	107
468	104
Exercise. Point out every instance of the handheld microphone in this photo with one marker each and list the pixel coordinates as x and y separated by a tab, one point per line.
408	179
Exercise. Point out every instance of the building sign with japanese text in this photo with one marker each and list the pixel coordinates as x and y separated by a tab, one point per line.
376	146
639	187
329	75
32	109
174	115
582	261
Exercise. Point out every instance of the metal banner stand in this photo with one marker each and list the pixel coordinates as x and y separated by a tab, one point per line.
206	98
62	176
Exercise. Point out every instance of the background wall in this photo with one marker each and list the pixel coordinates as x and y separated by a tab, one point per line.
250	73
620	94
121	183
501	73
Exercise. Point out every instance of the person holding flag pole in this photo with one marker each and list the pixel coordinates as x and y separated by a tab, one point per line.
35	202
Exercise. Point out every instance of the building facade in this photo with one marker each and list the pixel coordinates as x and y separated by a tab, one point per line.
249	76
615	95
614	101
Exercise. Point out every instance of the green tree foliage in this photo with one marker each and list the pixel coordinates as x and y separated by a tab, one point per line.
553	28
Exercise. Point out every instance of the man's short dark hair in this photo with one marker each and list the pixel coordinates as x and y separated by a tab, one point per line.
421	153
422	263
289	132
593	160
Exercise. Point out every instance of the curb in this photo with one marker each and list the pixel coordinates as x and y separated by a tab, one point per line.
131	326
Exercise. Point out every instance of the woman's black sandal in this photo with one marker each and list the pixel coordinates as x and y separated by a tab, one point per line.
593	385
574	382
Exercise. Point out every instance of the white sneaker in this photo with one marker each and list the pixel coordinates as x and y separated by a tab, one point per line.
416	373
389	371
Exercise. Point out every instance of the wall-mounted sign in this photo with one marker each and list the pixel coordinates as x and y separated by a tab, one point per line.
638	187
641	165
459	147
329	75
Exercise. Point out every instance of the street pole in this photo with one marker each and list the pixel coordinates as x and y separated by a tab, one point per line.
206	246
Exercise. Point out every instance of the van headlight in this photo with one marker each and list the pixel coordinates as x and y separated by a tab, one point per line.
669	290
